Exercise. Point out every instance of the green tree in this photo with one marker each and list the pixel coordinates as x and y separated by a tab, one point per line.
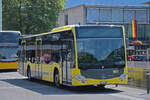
31	16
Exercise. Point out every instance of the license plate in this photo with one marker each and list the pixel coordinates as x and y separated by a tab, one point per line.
103	82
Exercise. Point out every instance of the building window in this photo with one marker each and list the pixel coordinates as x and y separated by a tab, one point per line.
140	32
66	19
105	15
129	15
141	16
147	32
128	30
92	15
117	15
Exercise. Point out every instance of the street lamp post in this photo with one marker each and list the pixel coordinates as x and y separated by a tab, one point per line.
0	15
20	18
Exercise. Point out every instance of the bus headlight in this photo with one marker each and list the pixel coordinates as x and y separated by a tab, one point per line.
123	76
80	78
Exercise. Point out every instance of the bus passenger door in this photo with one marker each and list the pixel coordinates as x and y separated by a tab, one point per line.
38	62
67	62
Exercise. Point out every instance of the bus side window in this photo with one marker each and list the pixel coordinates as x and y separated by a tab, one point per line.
69	55
32	56
56	57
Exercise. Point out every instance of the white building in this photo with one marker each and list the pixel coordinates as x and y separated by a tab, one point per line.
0	15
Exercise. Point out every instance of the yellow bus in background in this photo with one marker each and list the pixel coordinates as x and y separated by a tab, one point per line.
8	49
76	55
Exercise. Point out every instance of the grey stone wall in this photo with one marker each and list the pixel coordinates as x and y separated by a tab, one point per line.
75	16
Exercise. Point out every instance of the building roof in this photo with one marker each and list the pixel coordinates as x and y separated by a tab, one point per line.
148	2
72	3
106	6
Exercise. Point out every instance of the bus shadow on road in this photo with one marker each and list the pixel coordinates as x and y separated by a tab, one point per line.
47	88
8	70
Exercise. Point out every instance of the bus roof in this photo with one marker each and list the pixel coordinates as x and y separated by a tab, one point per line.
67	27
10	31
6	31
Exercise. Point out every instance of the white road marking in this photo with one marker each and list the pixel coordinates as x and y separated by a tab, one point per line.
4	78
9	87
126	97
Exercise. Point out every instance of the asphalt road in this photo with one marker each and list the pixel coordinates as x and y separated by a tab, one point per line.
16	87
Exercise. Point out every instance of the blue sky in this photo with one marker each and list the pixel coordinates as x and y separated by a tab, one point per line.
71	3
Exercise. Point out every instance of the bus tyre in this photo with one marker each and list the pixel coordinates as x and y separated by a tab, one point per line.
29	74
56	79
101	86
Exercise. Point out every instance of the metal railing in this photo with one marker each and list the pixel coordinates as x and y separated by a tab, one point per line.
139	74
139	64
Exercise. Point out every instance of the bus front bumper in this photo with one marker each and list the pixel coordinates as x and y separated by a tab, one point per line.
95	82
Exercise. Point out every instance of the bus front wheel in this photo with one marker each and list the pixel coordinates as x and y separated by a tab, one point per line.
57	79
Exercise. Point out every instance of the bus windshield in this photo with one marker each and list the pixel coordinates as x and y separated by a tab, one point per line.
100	49
8	37
8	53
8	45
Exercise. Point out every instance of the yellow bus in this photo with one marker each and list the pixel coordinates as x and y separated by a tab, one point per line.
9	49
76	55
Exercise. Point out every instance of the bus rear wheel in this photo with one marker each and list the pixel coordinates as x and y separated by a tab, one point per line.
56	79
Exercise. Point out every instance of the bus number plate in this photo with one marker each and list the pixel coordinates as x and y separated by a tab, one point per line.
103	82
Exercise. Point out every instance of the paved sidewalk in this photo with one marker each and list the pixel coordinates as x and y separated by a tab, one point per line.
132	92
